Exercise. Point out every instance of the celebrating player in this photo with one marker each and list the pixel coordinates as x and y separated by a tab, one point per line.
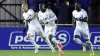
80	17
47	17
30	19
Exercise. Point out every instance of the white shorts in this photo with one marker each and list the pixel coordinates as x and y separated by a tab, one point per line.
37	30
82	31
50	30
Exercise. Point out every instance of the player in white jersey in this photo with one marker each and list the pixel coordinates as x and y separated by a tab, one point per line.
80	17
48	18
30	19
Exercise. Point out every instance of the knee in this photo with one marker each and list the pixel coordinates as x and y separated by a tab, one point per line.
87	41
75	37
50	37
29	35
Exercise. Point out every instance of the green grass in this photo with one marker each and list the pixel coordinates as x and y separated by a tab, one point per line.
45	53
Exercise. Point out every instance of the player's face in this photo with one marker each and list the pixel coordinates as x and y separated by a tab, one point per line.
42	7
77	7
25	8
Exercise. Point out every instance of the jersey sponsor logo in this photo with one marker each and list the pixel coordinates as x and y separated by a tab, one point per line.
95	39
19	41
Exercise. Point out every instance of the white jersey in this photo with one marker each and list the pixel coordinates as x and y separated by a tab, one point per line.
33	26
81	27
47	16
29	15
80	15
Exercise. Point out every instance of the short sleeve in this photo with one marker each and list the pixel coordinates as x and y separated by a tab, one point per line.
73	13
39	15
24	16
84	14
31	12
51	14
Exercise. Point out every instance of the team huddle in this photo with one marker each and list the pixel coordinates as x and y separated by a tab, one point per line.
47	17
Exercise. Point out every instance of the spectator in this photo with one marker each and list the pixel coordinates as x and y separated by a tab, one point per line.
63	12
52	6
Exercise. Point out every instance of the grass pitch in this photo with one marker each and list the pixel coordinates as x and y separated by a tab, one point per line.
45	53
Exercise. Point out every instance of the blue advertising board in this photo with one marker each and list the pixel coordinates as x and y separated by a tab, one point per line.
13	38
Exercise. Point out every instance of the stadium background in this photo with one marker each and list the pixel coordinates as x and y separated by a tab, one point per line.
11	20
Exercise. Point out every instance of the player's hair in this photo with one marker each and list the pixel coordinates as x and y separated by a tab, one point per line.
78	3
45	5
24	5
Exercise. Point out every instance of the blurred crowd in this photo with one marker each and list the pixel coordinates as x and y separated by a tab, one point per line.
63	9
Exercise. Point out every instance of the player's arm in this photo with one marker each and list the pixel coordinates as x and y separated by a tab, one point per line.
73	21
84	20
25	25
40	18
52	16
30	17
34	15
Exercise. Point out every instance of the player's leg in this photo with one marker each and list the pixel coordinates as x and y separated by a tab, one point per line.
52	40
31	36
51	35
32	40
50	45
56	42
89	44
77	39
41	33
